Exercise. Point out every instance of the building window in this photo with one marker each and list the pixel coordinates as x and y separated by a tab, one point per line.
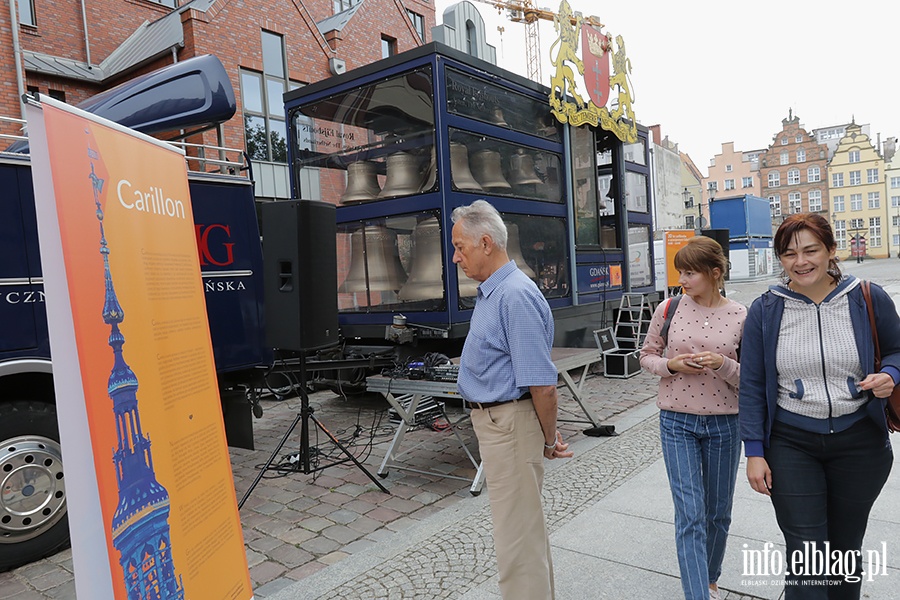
837	203
729	184
26	13
875	232
853	156
871	175
775	205
784	141
774	179
388	46
801	155
747	182
895	221
793	176
689	221
799	138
262	94
855	177
342	5
57	95
895	201
855	202
874	199
813	174
794	204
784	158
856	224
837	180
840	234
815	200
896	239
712	186
895	183
418	22
728	168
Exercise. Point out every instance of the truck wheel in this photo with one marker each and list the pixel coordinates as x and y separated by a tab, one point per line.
33	522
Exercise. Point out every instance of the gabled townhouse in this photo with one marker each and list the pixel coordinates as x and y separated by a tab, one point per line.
792	172
858	202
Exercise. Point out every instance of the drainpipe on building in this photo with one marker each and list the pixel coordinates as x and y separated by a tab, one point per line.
17	56
87	43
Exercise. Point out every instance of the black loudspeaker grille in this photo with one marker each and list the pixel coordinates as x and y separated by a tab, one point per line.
721	236
300	274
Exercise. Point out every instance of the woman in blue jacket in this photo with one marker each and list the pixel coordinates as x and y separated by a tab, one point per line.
812	409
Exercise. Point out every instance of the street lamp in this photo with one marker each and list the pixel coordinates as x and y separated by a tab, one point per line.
856	239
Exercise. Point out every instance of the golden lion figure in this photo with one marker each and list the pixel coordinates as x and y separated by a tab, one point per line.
568	53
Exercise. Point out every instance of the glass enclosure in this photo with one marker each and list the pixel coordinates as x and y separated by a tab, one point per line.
372	142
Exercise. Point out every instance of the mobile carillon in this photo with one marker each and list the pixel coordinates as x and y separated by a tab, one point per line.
815	560
153	201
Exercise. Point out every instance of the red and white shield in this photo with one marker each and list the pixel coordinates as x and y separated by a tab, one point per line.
595	56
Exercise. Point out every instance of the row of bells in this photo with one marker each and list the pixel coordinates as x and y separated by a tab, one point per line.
483	171
375	248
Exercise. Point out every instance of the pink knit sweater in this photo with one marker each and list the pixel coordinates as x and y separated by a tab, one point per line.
710	392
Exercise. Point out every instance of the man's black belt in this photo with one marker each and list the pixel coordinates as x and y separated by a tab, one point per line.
483	405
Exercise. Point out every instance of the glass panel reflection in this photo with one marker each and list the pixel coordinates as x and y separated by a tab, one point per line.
372	142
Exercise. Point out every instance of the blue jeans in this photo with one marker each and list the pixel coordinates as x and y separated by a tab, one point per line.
823	488
701	453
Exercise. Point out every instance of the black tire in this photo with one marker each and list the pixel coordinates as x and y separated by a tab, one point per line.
33	516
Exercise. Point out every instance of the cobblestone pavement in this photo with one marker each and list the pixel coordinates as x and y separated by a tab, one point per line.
296	524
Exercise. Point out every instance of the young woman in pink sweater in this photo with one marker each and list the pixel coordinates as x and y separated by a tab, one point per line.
698	400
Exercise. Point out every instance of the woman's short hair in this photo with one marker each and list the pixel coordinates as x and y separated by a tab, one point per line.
481	218
814	223
703	254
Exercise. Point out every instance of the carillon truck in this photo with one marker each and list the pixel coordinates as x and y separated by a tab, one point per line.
33	521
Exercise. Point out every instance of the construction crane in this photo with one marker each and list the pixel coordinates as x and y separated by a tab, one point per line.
525	12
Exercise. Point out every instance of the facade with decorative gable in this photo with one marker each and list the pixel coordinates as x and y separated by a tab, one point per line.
858	197
792	172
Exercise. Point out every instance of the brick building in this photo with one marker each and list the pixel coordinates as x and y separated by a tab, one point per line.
73	49
793	172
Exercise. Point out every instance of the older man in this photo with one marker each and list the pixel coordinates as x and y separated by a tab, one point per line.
508	379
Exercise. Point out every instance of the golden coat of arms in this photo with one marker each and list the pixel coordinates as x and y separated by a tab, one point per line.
566	104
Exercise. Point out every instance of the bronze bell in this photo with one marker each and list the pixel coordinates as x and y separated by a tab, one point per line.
426	275
459	169
403	176
362	183
430	173
521	169
514	250
497	117
377	251
467	286
486	167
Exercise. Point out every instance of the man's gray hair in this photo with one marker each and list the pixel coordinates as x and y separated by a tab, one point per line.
481	218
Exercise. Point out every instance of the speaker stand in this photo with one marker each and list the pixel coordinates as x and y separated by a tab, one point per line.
303	465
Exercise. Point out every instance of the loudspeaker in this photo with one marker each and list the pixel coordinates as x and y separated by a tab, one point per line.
300	274
721	236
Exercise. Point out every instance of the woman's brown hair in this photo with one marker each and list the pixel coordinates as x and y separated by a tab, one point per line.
703	254
818	226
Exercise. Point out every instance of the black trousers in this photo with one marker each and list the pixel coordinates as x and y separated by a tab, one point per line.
823	488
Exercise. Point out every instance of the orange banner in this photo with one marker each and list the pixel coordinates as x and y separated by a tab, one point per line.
141	363
675	241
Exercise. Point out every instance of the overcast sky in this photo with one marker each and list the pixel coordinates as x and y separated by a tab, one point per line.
716	71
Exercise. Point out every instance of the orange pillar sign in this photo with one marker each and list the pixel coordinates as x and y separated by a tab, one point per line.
675	241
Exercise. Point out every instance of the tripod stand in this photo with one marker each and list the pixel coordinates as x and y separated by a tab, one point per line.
303	465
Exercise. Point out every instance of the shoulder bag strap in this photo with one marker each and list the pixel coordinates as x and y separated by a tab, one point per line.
867	294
